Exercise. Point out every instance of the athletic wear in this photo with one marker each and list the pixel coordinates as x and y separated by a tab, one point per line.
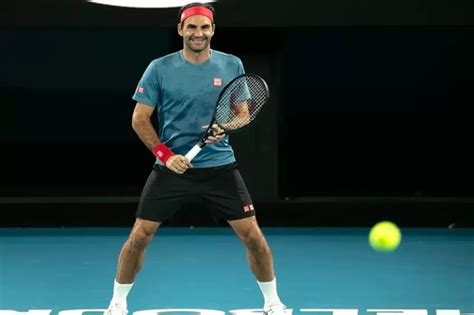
185	96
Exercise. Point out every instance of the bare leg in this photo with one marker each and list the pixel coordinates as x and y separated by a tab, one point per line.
133	251
129	264
260	261
259	255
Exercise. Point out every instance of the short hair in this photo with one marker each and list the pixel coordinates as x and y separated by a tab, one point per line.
197	4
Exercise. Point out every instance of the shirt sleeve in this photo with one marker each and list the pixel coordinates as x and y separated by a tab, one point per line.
243	91
240	67
148	89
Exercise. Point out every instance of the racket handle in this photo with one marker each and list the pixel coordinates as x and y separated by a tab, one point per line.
193	152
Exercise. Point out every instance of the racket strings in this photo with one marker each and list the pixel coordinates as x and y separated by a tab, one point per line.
241	102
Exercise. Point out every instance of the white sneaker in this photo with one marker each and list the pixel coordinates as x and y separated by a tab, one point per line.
275	309
116	309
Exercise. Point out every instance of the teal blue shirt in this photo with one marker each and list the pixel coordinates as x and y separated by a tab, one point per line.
185	96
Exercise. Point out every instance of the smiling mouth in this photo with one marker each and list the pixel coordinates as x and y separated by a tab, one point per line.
201	40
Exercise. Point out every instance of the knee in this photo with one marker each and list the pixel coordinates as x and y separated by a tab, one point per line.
138	240
256	243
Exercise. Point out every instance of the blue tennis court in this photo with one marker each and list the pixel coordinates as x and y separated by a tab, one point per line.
318	269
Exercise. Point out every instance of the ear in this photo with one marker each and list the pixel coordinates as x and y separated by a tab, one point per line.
213	29
180	30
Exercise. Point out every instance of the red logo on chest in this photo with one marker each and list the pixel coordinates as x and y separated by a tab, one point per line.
217	82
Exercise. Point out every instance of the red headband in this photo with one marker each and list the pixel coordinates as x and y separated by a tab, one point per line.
197	10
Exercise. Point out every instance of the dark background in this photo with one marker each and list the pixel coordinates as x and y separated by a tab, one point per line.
369	117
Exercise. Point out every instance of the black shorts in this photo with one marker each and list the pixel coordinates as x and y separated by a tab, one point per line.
221	189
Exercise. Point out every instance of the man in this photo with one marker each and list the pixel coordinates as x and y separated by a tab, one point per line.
183	87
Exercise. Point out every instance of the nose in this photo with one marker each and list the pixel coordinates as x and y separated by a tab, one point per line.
198	33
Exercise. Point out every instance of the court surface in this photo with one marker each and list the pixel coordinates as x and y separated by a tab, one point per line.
55	270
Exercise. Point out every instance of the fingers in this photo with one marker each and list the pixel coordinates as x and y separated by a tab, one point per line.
178	163
217	134
214	139
216	129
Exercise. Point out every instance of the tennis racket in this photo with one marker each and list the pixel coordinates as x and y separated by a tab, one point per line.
238	105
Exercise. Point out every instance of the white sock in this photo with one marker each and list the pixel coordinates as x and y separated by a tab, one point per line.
120	293
269	291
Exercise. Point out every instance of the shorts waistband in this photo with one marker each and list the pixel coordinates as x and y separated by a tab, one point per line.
229	166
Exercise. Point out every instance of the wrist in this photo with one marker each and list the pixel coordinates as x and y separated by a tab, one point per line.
162	152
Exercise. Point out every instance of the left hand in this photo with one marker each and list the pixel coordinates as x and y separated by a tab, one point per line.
218	134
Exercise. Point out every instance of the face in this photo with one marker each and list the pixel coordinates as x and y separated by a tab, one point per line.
197	31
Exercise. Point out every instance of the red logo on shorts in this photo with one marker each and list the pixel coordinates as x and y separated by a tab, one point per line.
248	208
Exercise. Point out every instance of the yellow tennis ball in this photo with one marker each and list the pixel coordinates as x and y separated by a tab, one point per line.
385	236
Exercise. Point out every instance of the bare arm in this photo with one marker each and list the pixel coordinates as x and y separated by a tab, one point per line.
242	114
241	117
142	125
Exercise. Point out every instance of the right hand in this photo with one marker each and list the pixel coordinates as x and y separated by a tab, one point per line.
178	163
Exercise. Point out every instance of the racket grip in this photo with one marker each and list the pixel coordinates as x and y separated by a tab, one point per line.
193	152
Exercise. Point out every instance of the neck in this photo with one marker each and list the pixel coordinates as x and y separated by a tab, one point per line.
196	57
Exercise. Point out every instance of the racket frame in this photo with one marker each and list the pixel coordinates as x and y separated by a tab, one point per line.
202	142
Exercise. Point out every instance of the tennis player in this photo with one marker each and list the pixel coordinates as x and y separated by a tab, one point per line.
183	87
